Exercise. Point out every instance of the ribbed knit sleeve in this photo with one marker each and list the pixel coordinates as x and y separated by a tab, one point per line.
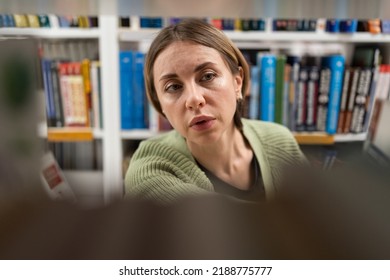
158	171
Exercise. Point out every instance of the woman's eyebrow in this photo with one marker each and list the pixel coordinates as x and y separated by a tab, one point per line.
203	65
196	69
168	76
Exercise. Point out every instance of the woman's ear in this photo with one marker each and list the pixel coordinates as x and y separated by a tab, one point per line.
238	80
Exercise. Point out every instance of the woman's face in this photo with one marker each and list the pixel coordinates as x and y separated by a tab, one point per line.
197	91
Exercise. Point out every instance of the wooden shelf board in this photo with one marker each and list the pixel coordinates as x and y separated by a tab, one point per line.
69	134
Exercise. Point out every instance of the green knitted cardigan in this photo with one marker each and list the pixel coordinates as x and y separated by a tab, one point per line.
163	169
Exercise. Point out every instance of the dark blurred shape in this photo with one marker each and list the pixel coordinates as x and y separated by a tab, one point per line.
342	213
19	146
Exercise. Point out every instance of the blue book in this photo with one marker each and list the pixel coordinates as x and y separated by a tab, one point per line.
267	64
126	72
254	100
336	64
139	102
48	88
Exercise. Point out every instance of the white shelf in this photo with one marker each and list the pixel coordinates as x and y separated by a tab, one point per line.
53	33
128	35
350	137
138	134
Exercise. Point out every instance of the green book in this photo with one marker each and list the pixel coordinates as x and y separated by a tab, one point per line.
279	85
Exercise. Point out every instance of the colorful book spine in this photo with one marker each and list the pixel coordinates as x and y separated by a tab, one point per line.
323	98
254	100
294	62
300	115
279	87
355	74
359	109
336	65
344	97
139	100
126	72
48	88
267	64
312	97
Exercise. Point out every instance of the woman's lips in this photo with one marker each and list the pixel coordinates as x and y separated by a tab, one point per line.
202	122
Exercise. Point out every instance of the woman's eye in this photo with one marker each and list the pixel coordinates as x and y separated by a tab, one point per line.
208	76
173	88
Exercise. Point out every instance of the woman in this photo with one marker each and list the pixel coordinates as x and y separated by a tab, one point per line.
196	77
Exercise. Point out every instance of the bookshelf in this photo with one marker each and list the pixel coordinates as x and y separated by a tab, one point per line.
111	37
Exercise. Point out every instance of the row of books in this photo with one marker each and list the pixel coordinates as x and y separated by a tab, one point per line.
258	24
47	21
136	112
72	92
308	93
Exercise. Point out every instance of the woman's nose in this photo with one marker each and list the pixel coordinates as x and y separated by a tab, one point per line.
195	99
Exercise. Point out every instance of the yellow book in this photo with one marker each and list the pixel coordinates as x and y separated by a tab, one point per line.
33	21
20	20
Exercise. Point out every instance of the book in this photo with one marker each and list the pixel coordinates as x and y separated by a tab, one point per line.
355	75
312	97
279	87
44	20
294	62
53	179
55	87
139	100
286	88
300	114
86	75
96	94
359	108
46	65
323	98
267	64
336	65
254	99
32	21
344	97
20	20
133	103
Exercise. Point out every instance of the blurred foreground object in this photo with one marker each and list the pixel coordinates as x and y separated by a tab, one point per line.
19	146
336	214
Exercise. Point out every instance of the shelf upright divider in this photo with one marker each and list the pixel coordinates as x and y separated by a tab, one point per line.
112	144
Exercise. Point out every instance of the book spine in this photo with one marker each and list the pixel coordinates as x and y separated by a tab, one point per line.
254	100
279	87
344	97
286	88
78	94
351	100
294	62
139	91
336	64
267	87
312	97
323	98
126	65
48	88
359	109
371	96
300	115
59	117
95	93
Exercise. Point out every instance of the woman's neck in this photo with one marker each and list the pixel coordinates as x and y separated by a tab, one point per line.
225	157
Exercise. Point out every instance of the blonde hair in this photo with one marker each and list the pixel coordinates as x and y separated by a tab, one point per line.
200	32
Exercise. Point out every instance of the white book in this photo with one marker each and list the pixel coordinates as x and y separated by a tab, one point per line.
54	181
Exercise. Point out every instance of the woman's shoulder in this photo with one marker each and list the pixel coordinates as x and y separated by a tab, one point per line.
166	144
